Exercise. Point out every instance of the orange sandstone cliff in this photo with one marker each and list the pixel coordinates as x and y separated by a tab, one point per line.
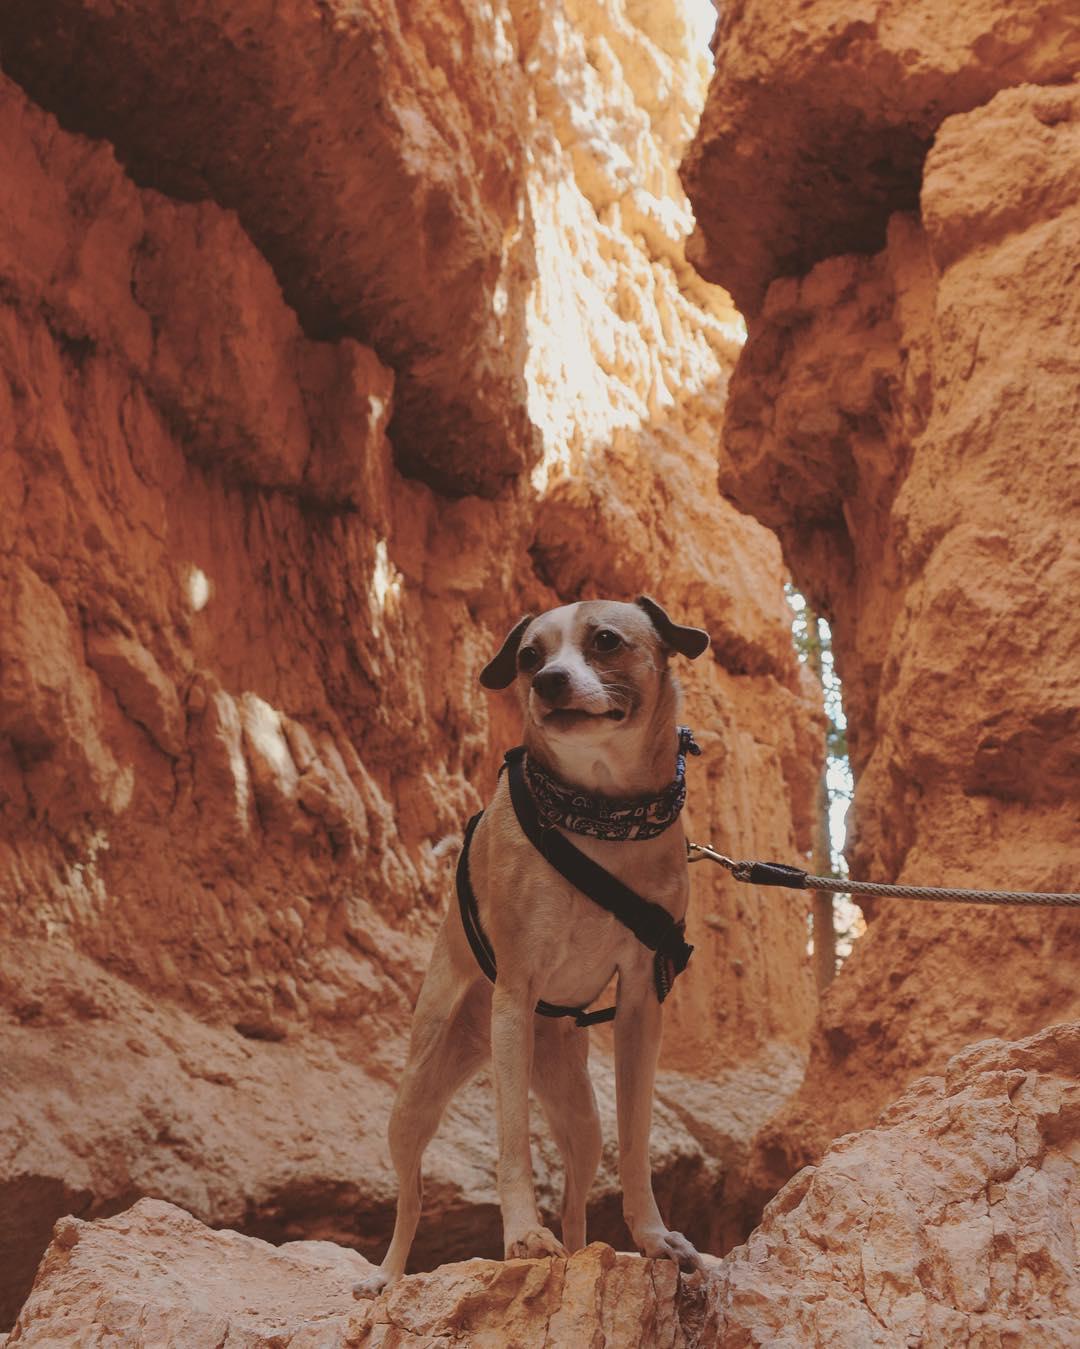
332	337
331	340
906	417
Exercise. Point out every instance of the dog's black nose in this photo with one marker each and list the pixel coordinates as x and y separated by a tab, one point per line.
551	681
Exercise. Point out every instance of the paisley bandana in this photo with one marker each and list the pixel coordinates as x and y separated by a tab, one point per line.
606	817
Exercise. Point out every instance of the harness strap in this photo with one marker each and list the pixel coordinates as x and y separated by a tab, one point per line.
651	924
481	947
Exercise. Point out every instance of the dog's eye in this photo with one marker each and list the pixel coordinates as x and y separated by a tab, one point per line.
528	659
606	640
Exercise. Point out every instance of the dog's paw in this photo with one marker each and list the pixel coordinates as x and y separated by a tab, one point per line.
373	1284
664	1245
533	1244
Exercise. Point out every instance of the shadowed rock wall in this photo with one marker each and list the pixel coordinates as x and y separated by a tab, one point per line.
318	250
907	419
373	154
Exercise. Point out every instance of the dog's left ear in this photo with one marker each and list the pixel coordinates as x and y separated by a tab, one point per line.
686	641
501	671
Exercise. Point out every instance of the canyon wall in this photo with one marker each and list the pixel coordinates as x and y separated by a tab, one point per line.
331	339
905	415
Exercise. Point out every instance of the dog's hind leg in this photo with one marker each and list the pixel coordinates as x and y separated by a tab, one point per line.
564	1089
449	1043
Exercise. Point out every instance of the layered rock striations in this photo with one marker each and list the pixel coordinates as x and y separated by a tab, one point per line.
292	431
952	1221
906	419
331	341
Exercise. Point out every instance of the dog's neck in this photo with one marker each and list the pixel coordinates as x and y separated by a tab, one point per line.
635	760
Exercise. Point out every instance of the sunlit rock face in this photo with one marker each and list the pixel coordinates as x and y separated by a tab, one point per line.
322	358
630	354
907	422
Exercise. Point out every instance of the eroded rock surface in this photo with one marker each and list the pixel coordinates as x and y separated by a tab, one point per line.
373	154
904	421
155	1275
820	116
956	1219
905	416
238	648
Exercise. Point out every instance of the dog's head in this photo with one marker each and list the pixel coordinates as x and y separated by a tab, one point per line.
593	669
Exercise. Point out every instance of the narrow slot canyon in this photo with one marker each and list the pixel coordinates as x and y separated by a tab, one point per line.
334	338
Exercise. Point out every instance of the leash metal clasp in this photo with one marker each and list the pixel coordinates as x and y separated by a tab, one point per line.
704	852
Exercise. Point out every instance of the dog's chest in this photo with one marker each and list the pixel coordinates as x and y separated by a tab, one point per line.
574	947
541	924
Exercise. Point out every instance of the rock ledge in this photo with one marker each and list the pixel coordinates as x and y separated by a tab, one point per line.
954	1221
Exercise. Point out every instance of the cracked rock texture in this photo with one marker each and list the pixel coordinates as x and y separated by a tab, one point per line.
907	420
954	1220
155	1276
291	433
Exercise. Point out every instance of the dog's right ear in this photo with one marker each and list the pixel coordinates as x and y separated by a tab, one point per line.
501	671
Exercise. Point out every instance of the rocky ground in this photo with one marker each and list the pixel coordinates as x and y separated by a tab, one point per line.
952	1221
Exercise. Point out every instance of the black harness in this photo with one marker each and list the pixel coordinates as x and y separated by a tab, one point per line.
652	925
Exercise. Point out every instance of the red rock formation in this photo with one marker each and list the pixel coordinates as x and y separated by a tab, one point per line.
908	424
238	644
820	116
238	648
373	153
954	1220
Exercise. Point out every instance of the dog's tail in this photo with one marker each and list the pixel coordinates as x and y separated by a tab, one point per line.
447	847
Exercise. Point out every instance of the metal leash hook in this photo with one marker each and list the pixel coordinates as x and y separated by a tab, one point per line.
705	852
702	852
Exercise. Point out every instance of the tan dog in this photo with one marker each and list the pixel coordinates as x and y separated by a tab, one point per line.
599	705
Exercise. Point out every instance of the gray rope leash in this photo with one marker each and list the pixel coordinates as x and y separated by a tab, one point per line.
793	878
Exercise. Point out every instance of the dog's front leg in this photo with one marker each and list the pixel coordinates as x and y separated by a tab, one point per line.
511	1065
637	1044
